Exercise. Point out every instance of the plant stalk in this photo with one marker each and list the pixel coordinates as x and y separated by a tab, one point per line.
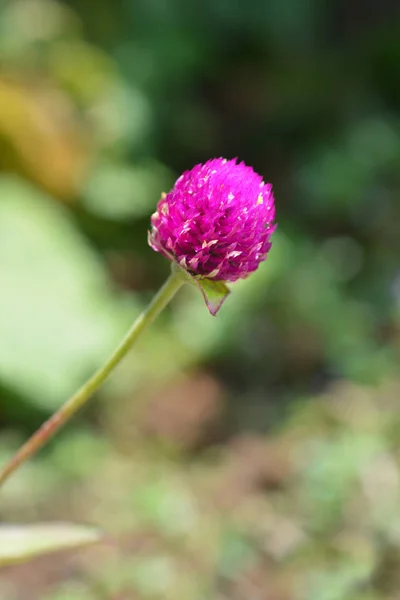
80	398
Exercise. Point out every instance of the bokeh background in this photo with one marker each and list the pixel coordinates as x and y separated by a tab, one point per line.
252	456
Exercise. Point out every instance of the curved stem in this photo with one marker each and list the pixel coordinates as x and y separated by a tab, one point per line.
75	402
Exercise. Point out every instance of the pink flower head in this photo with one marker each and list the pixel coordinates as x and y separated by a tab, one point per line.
216	222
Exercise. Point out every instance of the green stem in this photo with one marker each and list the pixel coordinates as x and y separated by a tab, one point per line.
75	402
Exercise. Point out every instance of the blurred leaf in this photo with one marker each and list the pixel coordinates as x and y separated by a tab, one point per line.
58	319
19	543
32	117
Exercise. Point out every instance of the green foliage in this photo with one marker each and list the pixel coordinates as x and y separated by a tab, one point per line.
51	340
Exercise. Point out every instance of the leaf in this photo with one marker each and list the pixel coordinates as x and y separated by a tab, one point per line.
58	317
19	543
214	292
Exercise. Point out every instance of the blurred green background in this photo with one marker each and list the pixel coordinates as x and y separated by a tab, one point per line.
254	456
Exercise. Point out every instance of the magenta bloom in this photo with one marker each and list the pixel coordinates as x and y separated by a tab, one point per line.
216	222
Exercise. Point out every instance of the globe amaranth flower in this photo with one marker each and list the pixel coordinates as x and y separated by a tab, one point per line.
216	222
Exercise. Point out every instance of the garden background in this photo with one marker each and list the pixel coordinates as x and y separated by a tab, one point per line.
251	456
